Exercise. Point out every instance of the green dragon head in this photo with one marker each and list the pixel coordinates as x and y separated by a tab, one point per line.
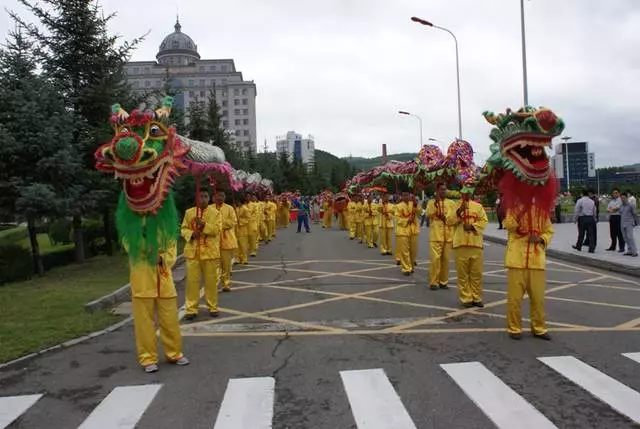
520	139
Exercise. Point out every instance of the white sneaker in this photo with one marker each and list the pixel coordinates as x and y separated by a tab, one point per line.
182	361
151	368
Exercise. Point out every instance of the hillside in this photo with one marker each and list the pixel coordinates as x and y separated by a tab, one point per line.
361	164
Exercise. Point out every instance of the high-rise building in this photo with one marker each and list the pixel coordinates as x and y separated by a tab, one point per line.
574	165
298	148
179	62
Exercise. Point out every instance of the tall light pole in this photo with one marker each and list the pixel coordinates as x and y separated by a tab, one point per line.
524	56
429	24
402	112
431	139
566	158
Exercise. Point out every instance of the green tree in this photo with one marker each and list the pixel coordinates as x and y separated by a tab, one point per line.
87	65
37	160
198	127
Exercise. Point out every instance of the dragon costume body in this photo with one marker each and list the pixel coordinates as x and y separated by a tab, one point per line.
520	168
147	155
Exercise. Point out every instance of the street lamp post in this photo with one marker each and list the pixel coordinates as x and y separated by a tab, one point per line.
429	24
566	159
431	139
402	112
524	55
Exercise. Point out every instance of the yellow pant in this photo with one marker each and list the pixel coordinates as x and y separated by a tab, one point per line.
243	249
263	231
342	220
469	272
226	267
414	248
385	240
403	251
360	231
326	219
371	235
533	282
396	252
253	243
271	229
210	270
439	267
145	311
353	229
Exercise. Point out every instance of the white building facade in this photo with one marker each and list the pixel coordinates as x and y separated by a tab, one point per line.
298	148
179	62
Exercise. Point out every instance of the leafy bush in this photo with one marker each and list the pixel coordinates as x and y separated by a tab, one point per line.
60	231
93	236
58	259
15	263
15	234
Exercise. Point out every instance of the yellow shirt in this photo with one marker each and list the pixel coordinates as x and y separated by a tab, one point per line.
371	214
359	212
403	212
386	215
208	246
228	240
351	210
154	281
475	216
520	252
254	208
272	208
244	220
439	230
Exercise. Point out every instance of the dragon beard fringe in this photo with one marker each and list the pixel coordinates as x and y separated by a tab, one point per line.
517	194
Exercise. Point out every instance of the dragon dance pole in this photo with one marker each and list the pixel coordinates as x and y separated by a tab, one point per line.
524	55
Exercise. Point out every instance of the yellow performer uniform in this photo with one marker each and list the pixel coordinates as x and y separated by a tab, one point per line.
440	239
272	210
351	217
327	214
470	220
283	213
529	234
386	226
228	243
262	221
202	255
244	222
371	222
360	221
396	253
414	232
404	212
254	228
154	296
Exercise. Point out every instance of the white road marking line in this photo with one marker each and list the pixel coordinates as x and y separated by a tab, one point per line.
12	407
499	402
618	396
632	356
247	404
122	408
374	402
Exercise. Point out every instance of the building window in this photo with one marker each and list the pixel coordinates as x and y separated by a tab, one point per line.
146	70
236	102
246	132
192	94
191	83
245	111
244	91
136	70
236	111
212	68
236	92
237	121
224	81
202	82
245	122
158	84
224	93
245	101
225	113
135	84
225	124
213	82
238	133
201	69
225	103
224	67
202	94
147	84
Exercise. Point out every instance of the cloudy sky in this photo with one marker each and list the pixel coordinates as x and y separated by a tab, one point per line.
341	69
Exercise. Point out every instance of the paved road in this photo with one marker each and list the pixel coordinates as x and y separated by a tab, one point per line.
323	333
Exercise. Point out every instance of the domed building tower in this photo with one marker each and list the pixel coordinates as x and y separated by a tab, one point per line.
180	71
178	49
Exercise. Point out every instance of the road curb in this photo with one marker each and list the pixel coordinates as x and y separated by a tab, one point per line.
68	343
580	260
121	295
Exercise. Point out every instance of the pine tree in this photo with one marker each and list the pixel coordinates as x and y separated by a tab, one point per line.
197	127
37	161
87	65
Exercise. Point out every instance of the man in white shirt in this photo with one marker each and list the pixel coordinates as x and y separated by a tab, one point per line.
585	217
615	229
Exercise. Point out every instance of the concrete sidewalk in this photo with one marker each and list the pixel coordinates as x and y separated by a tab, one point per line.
566	235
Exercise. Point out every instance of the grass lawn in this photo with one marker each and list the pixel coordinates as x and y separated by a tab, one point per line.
45	244
45	311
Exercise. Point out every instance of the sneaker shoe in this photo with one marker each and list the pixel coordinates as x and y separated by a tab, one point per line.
151	368
226	289
467	304
478	304
190	316
444	286
183	361
515	336
214	314
434	287
544	336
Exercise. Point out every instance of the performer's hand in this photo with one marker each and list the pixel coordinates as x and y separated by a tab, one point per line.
460	212
469	228
159	260
442	217
199	223
195	235
534	239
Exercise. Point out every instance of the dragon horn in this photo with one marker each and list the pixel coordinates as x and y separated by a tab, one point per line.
164	110
119	112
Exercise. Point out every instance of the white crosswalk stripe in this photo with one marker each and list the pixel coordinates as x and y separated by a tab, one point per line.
122	408
12	407
618	396
248	403
498	401
374	402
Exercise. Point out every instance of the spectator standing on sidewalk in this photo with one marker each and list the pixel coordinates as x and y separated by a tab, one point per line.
596	201
629	220
615	229
499	210
631	198
585	217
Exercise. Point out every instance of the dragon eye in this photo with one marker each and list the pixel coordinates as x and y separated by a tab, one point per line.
124	130
155	131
